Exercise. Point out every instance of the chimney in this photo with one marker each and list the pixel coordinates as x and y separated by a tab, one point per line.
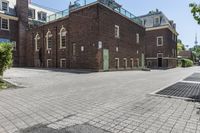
22	14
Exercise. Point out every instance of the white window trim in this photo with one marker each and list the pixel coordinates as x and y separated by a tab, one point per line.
118	30
117	49
137	38
155	20
14	45
158	41
117	59
37	37
126	63
48	63
47	40
8	24
7	5
82	48
62	59
62	30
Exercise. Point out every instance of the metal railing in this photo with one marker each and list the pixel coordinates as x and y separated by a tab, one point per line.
82	3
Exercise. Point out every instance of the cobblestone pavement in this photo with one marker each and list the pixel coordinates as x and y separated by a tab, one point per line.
117	102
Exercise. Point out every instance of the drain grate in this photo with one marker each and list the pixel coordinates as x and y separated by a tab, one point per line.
181	89
194	77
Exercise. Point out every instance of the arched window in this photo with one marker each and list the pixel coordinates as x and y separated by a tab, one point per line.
37	46
49	40
63	33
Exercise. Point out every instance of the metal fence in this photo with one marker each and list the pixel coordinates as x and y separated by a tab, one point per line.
82	3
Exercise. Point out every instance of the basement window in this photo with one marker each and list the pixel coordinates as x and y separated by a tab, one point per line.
4	24
117	63
49	63
125	63
62	63
132	62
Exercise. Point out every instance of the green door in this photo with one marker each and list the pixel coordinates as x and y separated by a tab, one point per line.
142	63
105	59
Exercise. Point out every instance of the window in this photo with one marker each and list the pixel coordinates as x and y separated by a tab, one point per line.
160	41
42	16
31	13
4	24
5	6
137	38
144	22
62	63
156	21
36	42
74	49
125	63
132	62
63	33
82	48
49	40
117	49
49	63
116	31
117	63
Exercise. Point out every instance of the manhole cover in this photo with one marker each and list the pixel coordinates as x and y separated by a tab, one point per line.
194	77
181	89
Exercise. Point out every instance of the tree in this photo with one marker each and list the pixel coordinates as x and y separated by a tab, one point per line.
5	57
180	46
195	10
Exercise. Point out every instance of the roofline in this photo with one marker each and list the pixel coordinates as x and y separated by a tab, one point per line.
163	27
150	14
9	17
47	8
96	2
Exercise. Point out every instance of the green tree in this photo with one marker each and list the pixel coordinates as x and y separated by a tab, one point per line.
180	46
195	10
5	57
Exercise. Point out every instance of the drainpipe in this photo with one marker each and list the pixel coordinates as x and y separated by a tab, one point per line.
56	28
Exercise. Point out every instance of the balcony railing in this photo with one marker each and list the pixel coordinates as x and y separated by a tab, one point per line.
107	3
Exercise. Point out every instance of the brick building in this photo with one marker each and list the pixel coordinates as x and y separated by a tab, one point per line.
161	40
99	36
94	36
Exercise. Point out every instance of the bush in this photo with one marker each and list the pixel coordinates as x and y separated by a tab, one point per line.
5	57
187	63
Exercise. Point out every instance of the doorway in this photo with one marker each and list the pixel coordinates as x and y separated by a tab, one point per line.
160	62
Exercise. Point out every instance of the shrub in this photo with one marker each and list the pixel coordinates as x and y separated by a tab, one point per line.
187	63
5	57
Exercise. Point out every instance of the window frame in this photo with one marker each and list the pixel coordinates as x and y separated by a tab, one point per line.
61	65
125	63
7	2
42	15
49	35
117	63
117	31
156	24
8	24
37	38
137	38
32	11
62	30
48	66
74	49
162	40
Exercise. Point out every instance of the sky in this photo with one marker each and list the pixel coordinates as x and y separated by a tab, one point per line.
177	10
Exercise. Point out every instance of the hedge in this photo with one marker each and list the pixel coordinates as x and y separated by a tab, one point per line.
5	57
187	63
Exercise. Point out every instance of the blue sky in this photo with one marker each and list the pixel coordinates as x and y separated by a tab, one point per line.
177	10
